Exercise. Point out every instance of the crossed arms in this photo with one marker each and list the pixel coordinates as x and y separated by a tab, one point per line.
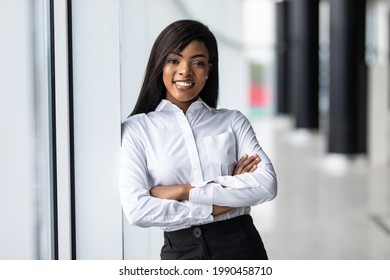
182	192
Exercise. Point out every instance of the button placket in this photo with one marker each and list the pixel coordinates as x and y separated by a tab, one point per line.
197	174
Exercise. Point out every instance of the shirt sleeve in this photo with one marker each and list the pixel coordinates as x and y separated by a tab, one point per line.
139	207
248	189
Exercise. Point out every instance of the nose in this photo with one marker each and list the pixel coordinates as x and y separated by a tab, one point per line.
185	69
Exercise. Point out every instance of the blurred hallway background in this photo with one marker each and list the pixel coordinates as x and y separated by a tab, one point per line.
311	75
328	207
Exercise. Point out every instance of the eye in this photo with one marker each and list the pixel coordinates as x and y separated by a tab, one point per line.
200	63
173	61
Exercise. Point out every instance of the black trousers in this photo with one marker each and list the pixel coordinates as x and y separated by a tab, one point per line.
232	239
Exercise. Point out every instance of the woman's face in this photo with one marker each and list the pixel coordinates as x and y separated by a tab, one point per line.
186	73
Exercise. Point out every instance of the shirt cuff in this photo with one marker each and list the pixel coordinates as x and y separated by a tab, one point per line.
201	212
203	193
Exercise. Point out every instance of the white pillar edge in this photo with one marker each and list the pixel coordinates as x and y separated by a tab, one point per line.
62	133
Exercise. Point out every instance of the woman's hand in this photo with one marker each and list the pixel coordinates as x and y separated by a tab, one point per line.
246	164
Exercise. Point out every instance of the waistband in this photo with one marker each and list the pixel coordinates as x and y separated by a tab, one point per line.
214	229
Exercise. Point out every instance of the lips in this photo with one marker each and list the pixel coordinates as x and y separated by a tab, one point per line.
184	84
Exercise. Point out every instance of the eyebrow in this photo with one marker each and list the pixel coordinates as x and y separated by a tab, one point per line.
194	56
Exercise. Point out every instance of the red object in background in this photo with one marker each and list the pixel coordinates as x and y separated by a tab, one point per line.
259	95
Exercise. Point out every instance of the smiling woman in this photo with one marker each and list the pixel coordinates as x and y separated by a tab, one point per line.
139	29
185	56
186	73
187	167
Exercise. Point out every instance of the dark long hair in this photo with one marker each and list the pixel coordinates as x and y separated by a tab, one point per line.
173	39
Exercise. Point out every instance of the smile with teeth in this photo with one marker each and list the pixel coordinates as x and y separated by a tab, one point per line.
184	84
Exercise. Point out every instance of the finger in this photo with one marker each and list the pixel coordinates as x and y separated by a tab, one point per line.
249	161
240	165
252	164
245	165
254	167
249	167
242	159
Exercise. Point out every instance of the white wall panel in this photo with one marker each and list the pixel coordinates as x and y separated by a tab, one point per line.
97	123
18	211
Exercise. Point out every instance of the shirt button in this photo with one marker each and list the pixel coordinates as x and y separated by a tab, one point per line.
197	232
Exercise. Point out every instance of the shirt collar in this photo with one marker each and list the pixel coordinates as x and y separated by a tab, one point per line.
166	105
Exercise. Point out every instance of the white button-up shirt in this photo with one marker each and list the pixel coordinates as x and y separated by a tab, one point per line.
201	148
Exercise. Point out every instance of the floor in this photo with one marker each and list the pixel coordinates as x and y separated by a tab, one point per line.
328	207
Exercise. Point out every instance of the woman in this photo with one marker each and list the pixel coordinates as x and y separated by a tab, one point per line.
179	161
